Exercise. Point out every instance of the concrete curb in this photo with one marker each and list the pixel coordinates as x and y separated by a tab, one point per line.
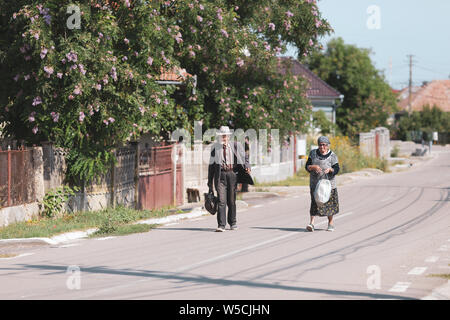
61	238
196	212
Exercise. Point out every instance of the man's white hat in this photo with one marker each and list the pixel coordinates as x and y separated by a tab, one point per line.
224	131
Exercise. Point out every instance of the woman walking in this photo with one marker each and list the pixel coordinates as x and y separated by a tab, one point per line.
323	164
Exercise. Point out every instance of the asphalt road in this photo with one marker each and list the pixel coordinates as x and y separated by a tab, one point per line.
392	234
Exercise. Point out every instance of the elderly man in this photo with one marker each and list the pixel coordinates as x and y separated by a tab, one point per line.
227	159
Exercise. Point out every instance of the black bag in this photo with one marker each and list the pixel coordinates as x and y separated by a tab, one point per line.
211	202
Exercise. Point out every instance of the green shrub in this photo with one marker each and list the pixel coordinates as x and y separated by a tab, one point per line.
55	200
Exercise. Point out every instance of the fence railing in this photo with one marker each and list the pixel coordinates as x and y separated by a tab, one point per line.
17	174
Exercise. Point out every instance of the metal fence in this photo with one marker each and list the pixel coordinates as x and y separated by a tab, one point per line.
17	177
160	179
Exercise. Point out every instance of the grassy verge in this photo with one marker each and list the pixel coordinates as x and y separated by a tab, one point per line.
301	178
110	221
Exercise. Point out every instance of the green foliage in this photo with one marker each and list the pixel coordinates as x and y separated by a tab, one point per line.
368	99
90	89
55	200
321	121
351	159
422	124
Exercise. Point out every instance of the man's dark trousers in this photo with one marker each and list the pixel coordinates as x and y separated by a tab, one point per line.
227	198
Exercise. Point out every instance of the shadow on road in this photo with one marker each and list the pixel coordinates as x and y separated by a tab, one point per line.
193	279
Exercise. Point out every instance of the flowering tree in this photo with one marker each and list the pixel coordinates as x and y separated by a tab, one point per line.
83	74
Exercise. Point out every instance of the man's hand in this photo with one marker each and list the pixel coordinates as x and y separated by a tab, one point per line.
326	171
248	170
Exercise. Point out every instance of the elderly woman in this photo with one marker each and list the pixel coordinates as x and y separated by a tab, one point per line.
323	164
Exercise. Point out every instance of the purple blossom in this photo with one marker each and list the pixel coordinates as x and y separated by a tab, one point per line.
154	114
150	61
81	67
289	14
199	19
16	78
31	117
77	90
59	75
45	13
178	38
72	56
272	26
114	73
49	70
43	53
111	120
240	62
55	116
126	41
224	32
37	101
82	116
35	130
98	86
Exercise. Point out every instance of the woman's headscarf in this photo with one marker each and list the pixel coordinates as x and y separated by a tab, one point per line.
323	139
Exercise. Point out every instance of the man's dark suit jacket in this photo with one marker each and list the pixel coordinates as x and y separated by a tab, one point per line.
240	164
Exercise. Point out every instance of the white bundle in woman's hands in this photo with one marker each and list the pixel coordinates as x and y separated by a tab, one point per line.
322	192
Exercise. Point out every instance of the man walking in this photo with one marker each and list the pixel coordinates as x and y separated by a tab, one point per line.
227	159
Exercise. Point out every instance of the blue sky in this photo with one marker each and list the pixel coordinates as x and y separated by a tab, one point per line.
417	27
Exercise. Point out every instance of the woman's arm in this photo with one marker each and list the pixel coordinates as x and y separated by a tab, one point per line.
310	167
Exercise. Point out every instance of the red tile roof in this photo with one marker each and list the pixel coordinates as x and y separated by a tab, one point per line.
317	88
436	92
176	74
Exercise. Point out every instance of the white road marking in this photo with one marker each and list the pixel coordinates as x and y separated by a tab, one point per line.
256	245
105	238
417	271
400	287
257	206
70	245
443	248
432	259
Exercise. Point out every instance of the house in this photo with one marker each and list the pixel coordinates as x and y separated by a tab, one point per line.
322	96
436	92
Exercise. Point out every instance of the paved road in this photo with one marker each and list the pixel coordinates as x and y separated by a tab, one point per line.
392	233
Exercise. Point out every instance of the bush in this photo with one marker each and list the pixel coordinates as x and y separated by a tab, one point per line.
351	159
55	200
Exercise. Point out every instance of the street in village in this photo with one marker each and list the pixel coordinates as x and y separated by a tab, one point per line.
391	241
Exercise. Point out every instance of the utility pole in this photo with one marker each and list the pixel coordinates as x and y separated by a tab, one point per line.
410	83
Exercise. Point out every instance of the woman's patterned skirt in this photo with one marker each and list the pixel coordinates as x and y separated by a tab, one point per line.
328	209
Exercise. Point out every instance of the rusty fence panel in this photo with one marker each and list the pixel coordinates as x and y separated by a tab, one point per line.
16	178
156	178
